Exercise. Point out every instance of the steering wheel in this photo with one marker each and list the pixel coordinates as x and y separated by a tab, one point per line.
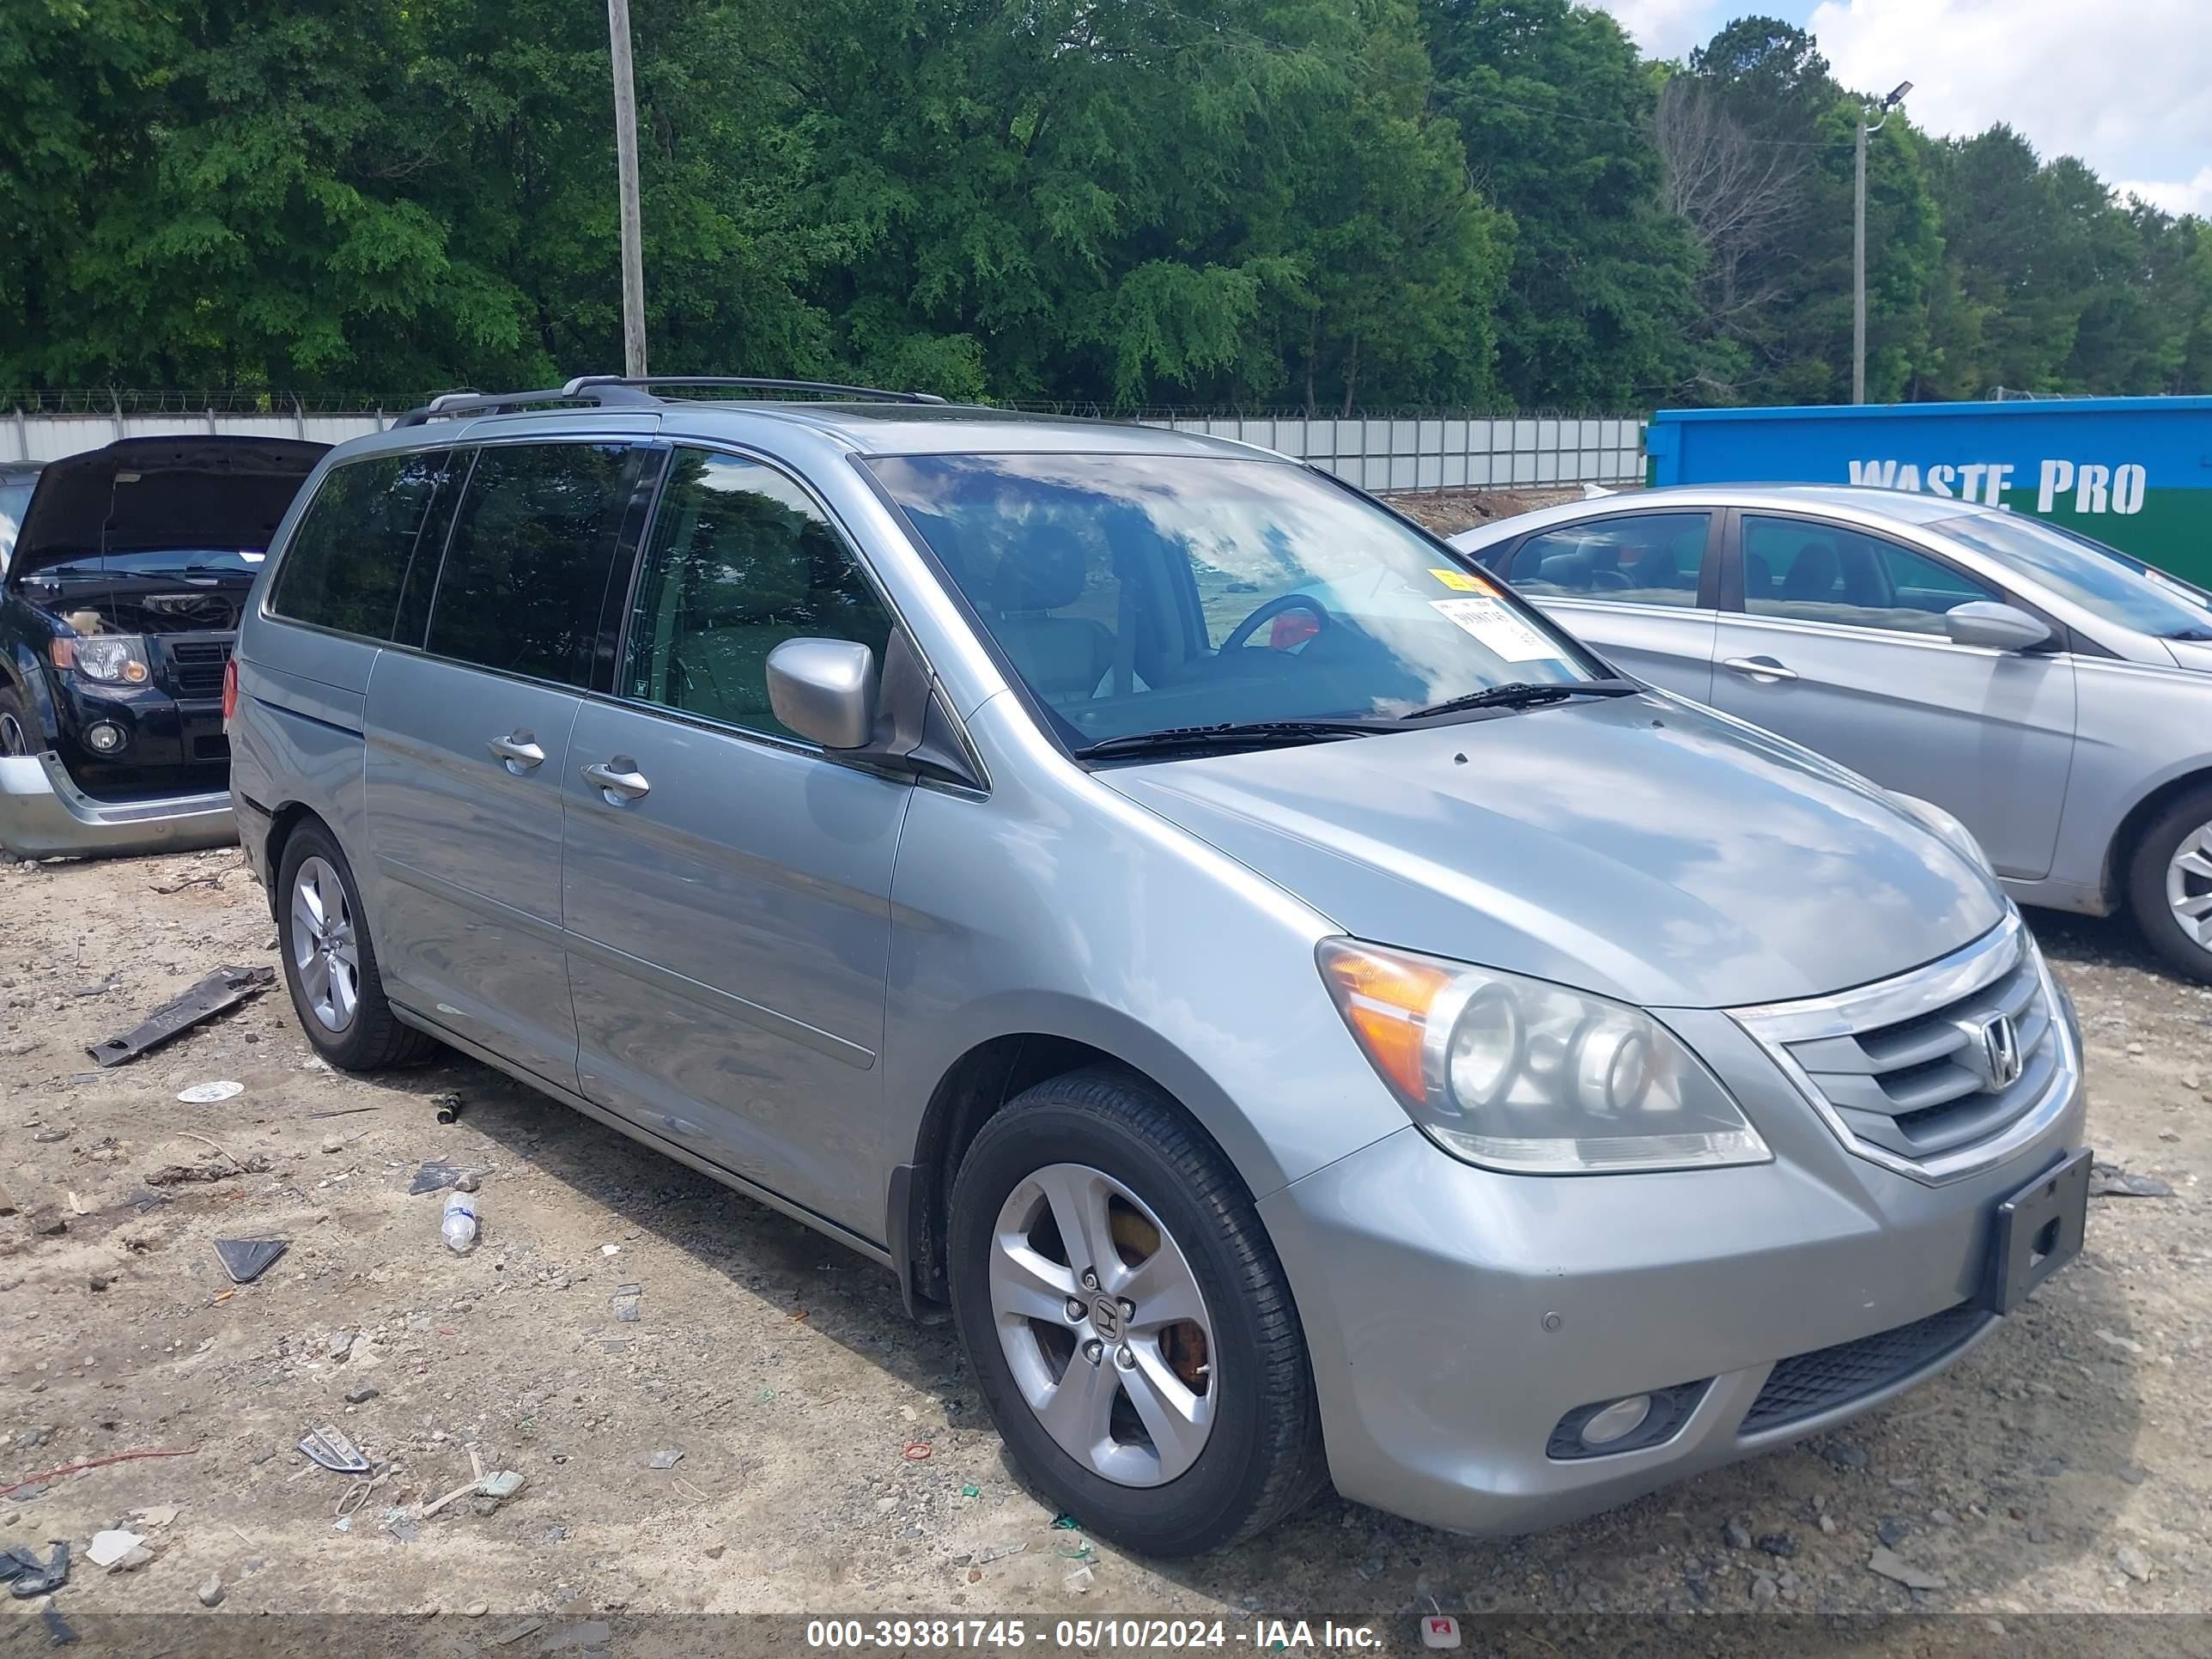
1274	607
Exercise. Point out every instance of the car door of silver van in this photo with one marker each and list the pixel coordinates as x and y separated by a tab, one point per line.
465	742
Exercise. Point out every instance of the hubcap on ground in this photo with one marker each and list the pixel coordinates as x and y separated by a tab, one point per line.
1104	1325
322	946
2189	885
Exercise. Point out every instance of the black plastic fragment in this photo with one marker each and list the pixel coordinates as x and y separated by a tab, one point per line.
246	1259
37	1579
224	988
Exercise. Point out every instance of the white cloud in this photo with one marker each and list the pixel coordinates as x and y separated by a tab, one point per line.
1665	28
2189	196
2125	85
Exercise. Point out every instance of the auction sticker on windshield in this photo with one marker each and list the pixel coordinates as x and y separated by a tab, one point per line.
1463	581
1497	628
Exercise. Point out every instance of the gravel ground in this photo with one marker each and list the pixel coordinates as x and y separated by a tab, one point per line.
829	1453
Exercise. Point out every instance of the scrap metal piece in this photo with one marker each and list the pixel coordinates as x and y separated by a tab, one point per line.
246	1259
224	988
334	1451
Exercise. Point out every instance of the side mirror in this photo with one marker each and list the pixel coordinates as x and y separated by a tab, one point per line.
2002	627
824	690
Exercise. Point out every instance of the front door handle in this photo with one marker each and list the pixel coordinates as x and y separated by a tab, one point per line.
1758	668
617	780
519	750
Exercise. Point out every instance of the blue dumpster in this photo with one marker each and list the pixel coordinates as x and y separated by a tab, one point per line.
2134	472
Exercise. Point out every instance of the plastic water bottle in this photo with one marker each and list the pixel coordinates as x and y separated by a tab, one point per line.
458	1223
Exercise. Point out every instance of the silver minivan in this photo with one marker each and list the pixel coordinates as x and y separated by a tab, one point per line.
1297	1035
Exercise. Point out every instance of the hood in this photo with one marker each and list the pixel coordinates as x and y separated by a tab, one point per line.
145	494
2191	654
1639	848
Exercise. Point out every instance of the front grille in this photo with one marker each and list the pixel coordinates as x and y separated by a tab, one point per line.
1807	1384
1904	1068
196	666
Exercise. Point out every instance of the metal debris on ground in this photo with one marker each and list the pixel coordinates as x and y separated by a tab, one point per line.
226	988
331	1449
2110	1181
663	1459
246	1259
206	1094
448	1105
626	1302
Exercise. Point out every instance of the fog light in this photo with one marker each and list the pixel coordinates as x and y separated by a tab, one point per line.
1617	1421
105	736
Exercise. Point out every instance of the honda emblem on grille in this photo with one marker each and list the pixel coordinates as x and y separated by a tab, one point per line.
2001	1056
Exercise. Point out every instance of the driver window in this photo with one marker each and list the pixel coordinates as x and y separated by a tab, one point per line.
1639	558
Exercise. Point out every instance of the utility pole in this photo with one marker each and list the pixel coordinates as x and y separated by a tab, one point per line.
632	255
1858	245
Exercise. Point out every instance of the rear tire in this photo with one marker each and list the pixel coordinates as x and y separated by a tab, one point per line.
1229	1386
330	961
2170	884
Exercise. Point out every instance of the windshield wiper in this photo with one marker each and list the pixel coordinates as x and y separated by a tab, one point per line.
1230	734
1528	694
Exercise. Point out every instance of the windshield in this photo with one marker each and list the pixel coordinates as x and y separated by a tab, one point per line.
1138	593
161	561
2101	580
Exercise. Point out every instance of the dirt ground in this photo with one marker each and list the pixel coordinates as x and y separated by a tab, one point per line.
832	1457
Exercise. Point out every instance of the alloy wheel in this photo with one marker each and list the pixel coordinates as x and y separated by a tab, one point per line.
1104	1325
14	740
2189	885
325	950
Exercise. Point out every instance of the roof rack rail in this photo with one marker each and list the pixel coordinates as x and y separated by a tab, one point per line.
617	390
750	382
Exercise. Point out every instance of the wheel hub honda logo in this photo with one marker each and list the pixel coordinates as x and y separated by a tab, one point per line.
1106	1318
2001	1060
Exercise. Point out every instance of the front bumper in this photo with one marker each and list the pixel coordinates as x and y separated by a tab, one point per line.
1454	1315
43	814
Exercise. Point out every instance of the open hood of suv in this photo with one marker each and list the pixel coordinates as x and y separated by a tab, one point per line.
145	495
1639	847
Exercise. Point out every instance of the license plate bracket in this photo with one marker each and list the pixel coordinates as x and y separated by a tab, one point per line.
2037	1231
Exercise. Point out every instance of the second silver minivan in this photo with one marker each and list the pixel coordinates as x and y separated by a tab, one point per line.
1302	1011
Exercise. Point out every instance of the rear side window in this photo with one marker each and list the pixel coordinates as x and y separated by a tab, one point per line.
349	556
1643	558
527	570
741	560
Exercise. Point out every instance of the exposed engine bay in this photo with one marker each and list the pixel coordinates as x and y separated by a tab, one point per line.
198	611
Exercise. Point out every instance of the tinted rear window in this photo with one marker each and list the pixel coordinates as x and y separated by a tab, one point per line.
350	553
525	572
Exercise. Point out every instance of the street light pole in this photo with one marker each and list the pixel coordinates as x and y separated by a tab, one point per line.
632	255
1858	247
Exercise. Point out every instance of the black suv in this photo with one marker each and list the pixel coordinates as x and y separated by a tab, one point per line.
118	613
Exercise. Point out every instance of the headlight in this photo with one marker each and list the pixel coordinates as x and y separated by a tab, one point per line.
1518	1075
1946	828
110	658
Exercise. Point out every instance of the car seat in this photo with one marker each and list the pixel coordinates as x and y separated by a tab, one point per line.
1062	657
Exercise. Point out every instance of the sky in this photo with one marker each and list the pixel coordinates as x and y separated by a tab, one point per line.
2126	85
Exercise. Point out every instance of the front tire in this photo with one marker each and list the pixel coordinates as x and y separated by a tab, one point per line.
1129	1324
19	727
2170	884
330	962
